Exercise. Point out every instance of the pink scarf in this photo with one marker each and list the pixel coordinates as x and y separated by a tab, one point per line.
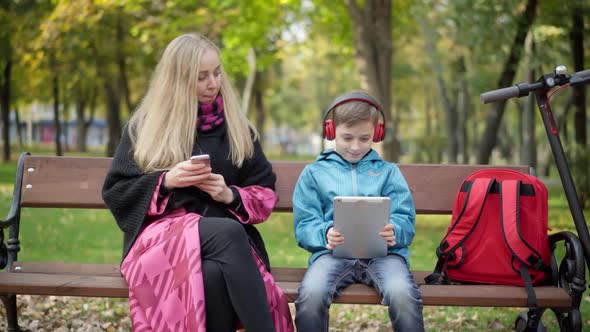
210	114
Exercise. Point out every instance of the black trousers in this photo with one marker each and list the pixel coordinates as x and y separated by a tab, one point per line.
234	289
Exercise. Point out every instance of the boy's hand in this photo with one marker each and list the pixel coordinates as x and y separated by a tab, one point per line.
388	235
334	238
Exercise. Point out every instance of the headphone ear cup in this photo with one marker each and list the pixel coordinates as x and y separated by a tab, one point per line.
329	132
379	133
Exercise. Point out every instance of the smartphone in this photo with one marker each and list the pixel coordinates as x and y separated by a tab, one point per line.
202	158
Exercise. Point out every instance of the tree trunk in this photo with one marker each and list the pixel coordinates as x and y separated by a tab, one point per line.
441	88
260	113
19	132
427	130
55	92
494	116
121	64
462	112
93	100
373	53
113	103
83	123
439	131
5	80
66	124
529	141
579	101
577	47
248	86
5	101
81	128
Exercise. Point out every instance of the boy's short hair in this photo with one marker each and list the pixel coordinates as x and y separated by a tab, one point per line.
353	112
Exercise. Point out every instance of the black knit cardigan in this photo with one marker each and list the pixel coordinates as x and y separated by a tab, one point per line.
127	191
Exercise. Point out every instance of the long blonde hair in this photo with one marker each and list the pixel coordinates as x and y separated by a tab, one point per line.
162	129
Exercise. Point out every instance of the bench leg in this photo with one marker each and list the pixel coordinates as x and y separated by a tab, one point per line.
11	312
570	320
530	321
571	276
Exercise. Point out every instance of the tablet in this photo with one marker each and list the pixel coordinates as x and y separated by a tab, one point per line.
360	219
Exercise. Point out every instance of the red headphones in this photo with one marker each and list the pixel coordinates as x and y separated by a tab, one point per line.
329	131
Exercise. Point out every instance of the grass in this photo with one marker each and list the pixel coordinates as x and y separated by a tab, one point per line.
58	235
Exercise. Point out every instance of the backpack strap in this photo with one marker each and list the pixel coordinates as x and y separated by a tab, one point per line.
463	225
468	217
520	249
510	202
528	285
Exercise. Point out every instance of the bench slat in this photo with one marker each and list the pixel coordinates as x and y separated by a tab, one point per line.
81	269
285	184
463	295
286	274
64	182
434	186
76	182
113	270
62	285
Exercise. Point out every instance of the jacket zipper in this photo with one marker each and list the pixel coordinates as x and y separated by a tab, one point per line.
354	184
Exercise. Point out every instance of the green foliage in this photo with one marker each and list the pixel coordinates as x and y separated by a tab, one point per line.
306	83
305	53
251	24
578	158
428	149
330	19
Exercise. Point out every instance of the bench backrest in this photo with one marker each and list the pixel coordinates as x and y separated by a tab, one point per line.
49	181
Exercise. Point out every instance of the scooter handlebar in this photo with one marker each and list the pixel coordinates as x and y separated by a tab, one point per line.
523	89
499	94
583	73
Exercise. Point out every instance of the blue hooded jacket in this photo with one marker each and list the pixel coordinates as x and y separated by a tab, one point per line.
330	176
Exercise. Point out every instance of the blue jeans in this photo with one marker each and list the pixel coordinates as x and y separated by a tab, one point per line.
327	276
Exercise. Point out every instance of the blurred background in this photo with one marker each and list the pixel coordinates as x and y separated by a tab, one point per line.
72	72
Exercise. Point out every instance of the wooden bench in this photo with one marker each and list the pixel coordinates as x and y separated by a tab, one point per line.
76	182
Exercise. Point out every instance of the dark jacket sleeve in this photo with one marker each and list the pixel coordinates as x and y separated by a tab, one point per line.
257	171
127	191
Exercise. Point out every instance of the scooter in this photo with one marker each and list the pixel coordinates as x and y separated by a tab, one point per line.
571	274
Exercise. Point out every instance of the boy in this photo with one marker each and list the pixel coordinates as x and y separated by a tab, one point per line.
353	168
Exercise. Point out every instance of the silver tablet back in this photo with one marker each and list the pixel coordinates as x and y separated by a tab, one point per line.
360	219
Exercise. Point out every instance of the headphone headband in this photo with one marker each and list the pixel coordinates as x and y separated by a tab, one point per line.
356	96
328	130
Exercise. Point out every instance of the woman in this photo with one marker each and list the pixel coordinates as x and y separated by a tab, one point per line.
191	256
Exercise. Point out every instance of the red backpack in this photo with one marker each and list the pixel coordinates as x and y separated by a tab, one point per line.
498	233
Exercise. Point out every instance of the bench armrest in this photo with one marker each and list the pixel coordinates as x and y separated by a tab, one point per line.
570	275
8	252
14	213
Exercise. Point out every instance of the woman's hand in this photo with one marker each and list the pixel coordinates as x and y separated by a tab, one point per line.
334	237
215	186
388	234
185	174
